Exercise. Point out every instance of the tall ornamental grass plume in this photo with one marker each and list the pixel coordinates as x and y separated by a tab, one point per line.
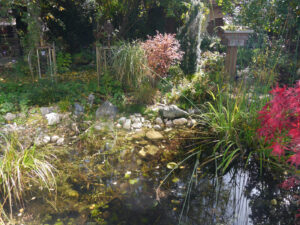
280	123
162	51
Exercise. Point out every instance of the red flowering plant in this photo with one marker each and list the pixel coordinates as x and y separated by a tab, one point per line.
162	51
280	128
280	123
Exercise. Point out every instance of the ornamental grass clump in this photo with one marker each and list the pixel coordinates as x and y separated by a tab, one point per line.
162	51
20	171
280	123
129	64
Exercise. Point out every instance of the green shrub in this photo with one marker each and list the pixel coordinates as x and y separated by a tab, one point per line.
64	105
63	62
83	58
21	68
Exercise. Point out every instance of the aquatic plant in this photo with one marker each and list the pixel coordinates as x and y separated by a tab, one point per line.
21	170
280	123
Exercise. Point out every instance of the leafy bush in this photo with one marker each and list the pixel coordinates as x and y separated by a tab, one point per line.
280	123
83	58
195	90
63	62
129	63
162	52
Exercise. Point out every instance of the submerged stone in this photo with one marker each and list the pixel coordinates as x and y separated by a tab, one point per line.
152	150
154	135
72	193
139	135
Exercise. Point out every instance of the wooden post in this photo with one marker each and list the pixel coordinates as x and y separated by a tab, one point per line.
30	65
50	62
38	61
230	61
98	63
54	60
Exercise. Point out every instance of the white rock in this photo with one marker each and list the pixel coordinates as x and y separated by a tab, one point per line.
98	127
127	124
54	138
138	115
157	127
169	123
136	120
122	120
159	121
53	118
142	119
172	112
180	122
46	139
10	116
192	123
60	141
118	126
137	125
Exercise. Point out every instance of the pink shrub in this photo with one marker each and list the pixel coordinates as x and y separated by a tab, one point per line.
162	51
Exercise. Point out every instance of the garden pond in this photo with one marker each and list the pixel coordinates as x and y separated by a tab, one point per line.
117	177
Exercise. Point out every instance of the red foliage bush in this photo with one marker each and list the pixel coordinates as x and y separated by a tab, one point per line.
280	123
162	51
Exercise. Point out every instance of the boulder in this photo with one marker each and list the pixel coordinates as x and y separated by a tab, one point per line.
172	112
107	109
53	118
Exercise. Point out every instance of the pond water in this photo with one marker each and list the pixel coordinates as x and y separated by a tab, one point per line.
110	184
